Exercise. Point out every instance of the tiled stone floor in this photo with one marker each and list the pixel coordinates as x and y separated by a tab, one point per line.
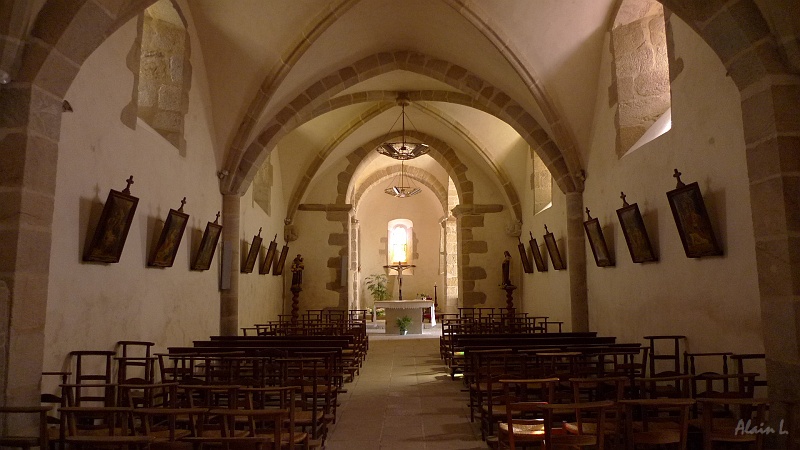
404	399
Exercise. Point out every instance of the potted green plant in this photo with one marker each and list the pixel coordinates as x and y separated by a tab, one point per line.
403	323
377	286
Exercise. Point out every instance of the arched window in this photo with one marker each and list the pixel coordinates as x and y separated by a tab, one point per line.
163	76
400	243
641	74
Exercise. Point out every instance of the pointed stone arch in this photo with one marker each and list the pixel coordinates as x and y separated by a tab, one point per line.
512	197
477	93
440	151
415	173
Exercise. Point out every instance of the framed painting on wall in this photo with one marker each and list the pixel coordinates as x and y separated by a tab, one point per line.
112	228
523	256
552	249
267	265
691	218
208	245
163	253
252	255
541	264
277	269
630	219
602	257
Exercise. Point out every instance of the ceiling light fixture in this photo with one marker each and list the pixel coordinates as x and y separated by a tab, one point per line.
401	189
402	150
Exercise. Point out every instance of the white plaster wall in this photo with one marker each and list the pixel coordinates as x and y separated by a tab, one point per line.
545	293
714	301
261	296
375	210
92	306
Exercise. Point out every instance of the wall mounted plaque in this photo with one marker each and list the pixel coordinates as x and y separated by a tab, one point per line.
208	245
163	253
552	249
602	257
630	219
691	218
252	255
113	226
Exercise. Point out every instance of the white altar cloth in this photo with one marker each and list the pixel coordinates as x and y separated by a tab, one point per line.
396	309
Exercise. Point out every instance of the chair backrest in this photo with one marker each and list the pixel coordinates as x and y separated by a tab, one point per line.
668	355
668	386
92	373
135	361
752	363
653	414
584	436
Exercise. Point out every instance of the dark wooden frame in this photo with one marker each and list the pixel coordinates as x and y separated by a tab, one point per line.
277	269
541	264
691	218
267	265
552	249
112	228
594	232
163	253
632	224
208	246
252	254
523	256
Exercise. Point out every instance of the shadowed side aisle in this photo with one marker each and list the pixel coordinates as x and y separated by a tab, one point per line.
404	399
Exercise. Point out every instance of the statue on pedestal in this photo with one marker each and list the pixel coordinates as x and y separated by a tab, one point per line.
297	270
506	269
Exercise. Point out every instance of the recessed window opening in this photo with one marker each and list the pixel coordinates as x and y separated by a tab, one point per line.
400	244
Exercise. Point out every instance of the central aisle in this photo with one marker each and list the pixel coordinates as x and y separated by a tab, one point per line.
404	399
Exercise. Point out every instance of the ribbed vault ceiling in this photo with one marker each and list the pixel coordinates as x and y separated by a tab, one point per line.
262	55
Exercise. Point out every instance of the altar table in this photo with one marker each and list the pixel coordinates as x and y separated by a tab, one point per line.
396	309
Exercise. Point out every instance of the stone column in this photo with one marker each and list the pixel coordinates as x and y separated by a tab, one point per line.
229	298
576	262
773	155
29	145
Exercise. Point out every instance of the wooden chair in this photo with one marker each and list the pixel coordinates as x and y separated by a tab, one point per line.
25	435
135	362
656	421
755	363
600	389
280	398
93	380
304	374
584	436
115	432
666	386
732	429
56	423
169	427
523	425
671	355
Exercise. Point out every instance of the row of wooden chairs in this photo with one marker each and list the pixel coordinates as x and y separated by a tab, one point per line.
528	412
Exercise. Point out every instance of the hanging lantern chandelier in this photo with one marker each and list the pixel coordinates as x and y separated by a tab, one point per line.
402	150
402	186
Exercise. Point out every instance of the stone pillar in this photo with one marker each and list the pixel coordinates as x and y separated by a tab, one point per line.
355	285
229	298
773	155
576	262
29	145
